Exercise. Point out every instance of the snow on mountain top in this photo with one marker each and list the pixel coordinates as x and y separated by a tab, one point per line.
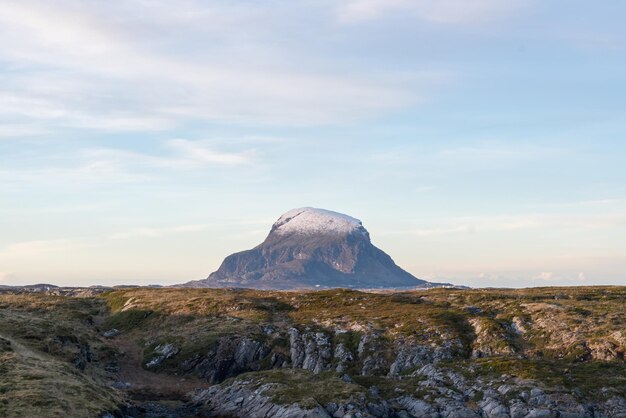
316	221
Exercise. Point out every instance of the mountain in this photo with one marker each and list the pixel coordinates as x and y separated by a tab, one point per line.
312	248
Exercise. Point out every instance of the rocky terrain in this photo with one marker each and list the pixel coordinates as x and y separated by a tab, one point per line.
140	352
312	248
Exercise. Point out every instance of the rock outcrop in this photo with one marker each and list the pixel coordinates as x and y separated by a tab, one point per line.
444	353
226	357
439	394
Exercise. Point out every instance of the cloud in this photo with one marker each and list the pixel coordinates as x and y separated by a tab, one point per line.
117	165
158	232
20	130
439	11
94	171
494	152
66	208
424	189
186	155
503	223
83	65
475	155
193	151
28	249
468	225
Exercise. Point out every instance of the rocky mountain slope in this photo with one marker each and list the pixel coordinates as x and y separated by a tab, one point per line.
549	352
309	248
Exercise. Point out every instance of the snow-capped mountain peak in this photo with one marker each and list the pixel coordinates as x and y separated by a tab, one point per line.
307	220
312	248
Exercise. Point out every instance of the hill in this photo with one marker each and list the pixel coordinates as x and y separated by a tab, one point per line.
227	352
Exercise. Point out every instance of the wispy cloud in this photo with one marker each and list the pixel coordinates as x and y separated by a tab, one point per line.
440	11
185	154
424	189
158	232
28	249
464	225
21	130
118	165
481	153
158	66
497	152
85	172
194	152
481	224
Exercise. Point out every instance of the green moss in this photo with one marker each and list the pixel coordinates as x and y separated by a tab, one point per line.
288	386
189	348
115	299
588	377
128	320
349	339
390	387
478	396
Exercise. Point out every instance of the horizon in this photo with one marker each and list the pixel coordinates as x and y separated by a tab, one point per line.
480	143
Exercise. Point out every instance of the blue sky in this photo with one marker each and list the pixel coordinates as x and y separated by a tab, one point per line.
481	142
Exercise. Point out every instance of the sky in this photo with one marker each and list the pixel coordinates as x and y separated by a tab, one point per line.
481	142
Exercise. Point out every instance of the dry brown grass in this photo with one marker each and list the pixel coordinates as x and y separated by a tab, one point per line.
34	384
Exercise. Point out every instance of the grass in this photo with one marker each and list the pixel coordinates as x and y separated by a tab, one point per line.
33	384
40	337
566	328
393	387
589	377
128	320
430	317
350	340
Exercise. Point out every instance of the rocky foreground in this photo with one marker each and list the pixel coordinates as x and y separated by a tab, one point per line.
549	352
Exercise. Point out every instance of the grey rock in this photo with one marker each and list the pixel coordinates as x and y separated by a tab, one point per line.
310	351
372	351
409	356
228	357
112	333
83	357
615	407
121	385
240	400
163	351
541	413
343	357
417	407
493	408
